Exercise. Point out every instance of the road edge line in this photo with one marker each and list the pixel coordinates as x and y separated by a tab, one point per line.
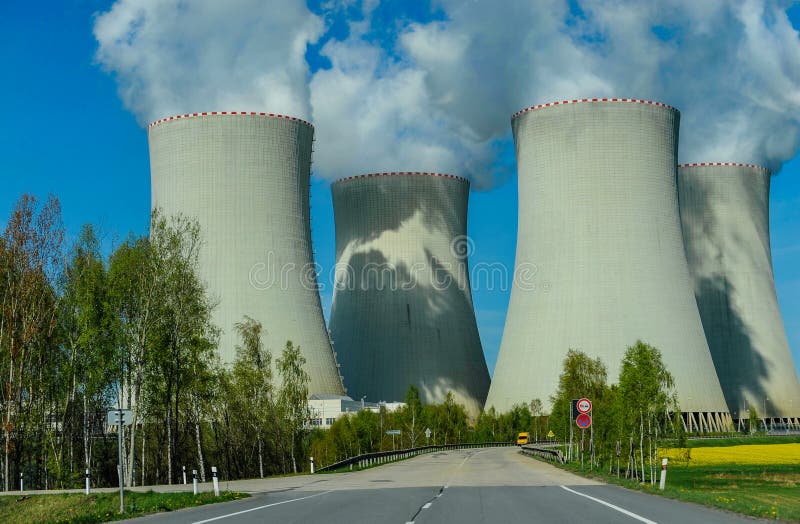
612	506
260	507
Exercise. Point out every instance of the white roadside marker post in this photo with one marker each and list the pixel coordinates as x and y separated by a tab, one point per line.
184	475
215	480
663	474
194	480
312	465
87	481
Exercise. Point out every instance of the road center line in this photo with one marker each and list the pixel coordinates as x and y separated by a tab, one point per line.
612	506
261	507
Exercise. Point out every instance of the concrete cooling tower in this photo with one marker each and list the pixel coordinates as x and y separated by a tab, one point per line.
245	178
725	217
600	256
402	308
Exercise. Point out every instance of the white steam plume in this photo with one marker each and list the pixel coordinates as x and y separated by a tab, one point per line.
173	56
440	94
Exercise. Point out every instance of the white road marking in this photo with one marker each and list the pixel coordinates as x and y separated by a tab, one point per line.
428	505
261	507
612	506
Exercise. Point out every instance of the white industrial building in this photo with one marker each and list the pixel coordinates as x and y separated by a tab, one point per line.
326	409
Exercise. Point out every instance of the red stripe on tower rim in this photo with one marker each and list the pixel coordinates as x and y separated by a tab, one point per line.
401	173
228	113
592	100
721	164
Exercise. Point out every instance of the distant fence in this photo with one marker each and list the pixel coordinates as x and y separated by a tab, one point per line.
545	453
371	459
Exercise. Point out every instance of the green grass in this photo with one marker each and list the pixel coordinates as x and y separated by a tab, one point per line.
98	507
760	491
738	441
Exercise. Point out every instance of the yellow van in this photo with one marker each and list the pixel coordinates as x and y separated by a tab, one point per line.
523	438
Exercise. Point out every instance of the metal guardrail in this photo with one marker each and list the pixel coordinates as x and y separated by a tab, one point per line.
547	454
371	459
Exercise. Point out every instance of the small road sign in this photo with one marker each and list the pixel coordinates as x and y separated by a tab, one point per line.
394	432
583	421
550	434
113	417
427	433
584	405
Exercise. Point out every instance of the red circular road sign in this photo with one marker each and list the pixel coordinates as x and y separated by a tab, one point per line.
584	405
583	421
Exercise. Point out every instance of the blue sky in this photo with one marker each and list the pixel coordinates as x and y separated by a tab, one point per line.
66	131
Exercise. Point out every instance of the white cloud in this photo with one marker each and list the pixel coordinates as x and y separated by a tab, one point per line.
374	114
731	67
172	56
441	96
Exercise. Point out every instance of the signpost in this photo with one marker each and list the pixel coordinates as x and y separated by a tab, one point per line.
120	418
582	415
663	480
394	432
427	435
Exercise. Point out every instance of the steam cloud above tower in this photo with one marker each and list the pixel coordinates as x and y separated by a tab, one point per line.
438	88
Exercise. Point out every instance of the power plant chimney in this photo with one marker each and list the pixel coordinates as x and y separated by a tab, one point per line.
725	218
600	255
245	177
402	309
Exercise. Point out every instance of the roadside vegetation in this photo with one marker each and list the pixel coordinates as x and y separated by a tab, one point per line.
99	507
89	324
93	324
365	431
750	474
82	331
766	491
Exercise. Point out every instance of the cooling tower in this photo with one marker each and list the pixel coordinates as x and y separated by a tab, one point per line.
245	178
600	256
402	308
725	217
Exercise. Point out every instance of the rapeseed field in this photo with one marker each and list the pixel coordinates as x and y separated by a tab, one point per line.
762	455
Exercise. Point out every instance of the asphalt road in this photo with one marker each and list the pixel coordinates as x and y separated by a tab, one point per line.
466	486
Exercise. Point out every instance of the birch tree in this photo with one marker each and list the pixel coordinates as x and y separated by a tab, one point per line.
30	252
293	395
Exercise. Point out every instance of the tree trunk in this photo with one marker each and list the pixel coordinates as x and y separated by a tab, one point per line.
260	457
86	452
7	426
169	443
132	448
197	436
641	442
294	462
143	456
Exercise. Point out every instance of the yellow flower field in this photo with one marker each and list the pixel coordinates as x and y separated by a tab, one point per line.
742	455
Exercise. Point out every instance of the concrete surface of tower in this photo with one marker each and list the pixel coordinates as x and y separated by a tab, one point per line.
725	218
245	178
600	255
402	311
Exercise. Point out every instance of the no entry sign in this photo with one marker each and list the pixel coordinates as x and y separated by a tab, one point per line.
583	421
584	405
